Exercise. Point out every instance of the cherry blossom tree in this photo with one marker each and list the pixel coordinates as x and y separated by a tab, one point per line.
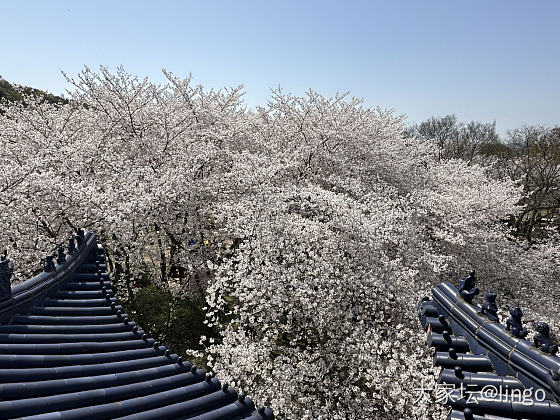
311	225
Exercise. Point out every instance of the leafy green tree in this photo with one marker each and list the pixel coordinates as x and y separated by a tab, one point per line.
177	321
15	93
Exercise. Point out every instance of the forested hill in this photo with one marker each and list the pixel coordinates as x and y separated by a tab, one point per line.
12	94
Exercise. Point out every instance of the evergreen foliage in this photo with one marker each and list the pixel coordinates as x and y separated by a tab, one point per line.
15	93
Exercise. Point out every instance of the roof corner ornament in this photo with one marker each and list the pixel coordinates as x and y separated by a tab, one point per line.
49	264
61	258
542	339
80	236
489	307
71	246
515	324
467	288
6	272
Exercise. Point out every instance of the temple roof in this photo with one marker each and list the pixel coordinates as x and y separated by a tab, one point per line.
68	351
489	371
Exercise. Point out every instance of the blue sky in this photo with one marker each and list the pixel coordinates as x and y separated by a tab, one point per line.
483	60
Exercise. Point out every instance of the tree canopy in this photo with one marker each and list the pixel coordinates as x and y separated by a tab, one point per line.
310	226
14	93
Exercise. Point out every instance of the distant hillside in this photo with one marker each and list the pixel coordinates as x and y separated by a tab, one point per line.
9	92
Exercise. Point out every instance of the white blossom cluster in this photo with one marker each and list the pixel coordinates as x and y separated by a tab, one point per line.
320	225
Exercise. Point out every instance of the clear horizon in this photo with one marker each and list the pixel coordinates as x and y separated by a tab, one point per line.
479	60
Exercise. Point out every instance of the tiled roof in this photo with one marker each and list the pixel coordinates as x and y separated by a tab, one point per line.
490	371
67	351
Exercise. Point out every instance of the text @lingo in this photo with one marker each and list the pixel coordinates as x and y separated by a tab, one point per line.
447	393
